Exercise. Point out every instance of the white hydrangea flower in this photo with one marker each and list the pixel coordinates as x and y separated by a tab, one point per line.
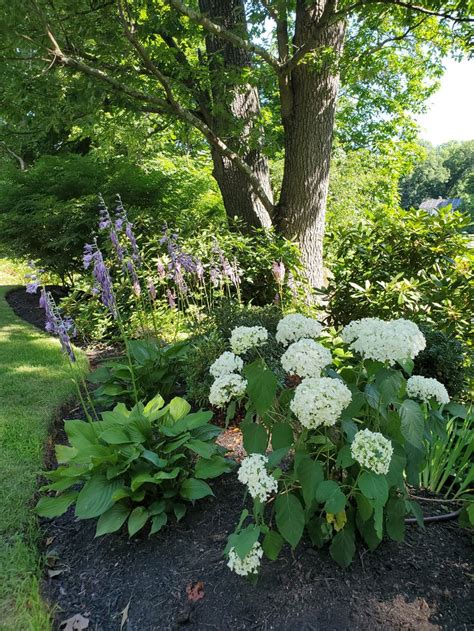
320	401
384	341
244	338
253	473
225	388
225	364
305	358
249	564
372	451
296	326
425	388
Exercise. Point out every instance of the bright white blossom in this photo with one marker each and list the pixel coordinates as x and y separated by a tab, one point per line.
372	451
225	364
249	564
225	388
244	338
384	341
296	326
254	474
425	388
305	358
320	401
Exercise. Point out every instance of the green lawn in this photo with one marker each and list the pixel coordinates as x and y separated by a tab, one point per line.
34	382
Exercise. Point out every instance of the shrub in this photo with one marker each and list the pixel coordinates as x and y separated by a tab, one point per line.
403	264
444	359
346	438
137	466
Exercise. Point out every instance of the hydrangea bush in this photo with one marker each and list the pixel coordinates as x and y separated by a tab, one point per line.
332	445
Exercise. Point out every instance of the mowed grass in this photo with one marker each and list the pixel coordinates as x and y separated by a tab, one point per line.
34	382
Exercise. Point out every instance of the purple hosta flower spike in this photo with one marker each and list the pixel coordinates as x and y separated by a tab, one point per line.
34	280
151	289
103	282
63	328
278	271
88	255
104	216
170	294
161	269
122	220
200	270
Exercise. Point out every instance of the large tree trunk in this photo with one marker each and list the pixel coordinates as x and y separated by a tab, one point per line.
308	118
234	116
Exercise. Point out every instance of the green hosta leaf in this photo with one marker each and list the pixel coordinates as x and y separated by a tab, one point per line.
55	506
64	453
243	541
152	457
81	434
113	519
330	493
272	544
282	436
138	518
289	518
153	407
262	385
342	548
157	507
395	518
310	474
255	438
179	408
140	479
96	496
158	522
167	475
412	423
374	487
211	468
116	435
193	489
197	419
344	457
205	450
179	511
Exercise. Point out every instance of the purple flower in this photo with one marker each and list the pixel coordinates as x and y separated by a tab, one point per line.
104	216
151	289
88	255
137	290
32	287
278	271
103	282
199	270
34	279
55	324
160	268
170	294
122	220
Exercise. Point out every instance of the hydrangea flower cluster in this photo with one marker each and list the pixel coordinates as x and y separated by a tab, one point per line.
296	326
425	388
243	338
320	401
254	474
372	451
305	358
384	341
225	364
225	388
249	564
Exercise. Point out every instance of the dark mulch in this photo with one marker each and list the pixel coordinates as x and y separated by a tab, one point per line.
26	306
422	583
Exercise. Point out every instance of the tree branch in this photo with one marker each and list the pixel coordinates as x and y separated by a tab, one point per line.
223	33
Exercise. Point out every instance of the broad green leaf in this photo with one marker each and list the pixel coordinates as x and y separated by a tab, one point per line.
330	493
275	457
157	507
289	518
64	453
395	518
344	457
96	496
342	548
319	531
369	532
282	436
152	457
364	507
374	487
141	478
117	435
179	511
412	423
397	467
167	475
81	434
205	450
261	385
179	408
389	383
193	489
243	541
55	506
255	438
211	468
272	544
310	474
416	511
372	396
113	519
407	365
153	406
158	522
138	518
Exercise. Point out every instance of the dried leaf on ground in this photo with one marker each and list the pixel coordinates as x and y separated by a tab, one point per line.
195	591
76	623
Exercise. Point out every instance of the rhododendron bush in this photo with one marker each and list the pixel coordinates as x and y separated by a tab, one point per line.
331	448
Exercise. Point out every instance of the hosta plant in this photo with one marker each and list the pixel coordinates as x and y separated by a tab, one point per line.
135	466
331	447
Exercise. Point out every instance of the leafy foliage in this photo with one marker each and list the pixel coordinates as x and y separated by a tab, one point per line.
135	466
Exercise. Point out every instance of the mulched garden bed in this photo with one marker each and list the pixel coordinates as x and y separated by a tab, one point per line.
141	584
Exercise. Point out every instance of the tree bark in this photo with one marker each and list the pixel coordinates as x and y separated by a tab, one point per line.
308	119
234	113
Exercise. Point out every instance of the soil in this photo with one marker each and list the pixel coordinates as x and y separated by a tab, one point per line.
142	584
26	306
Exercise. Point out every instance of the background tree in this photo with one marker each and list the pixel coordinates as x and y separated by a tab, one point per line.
202	63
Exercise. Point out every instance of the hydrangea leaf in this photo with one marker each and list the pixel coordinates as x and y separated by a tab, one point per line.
412	423
395	518
255	438
374	487
261	385
289	518
310	474
342	548
282	435
272	544
330	493
243	541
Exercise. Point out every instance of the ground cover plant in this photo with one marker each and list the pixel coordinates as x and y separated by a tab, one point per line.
33	384
357	432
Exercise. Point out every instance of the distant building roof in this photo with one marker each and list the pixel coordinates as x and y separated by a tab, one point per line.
432	205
